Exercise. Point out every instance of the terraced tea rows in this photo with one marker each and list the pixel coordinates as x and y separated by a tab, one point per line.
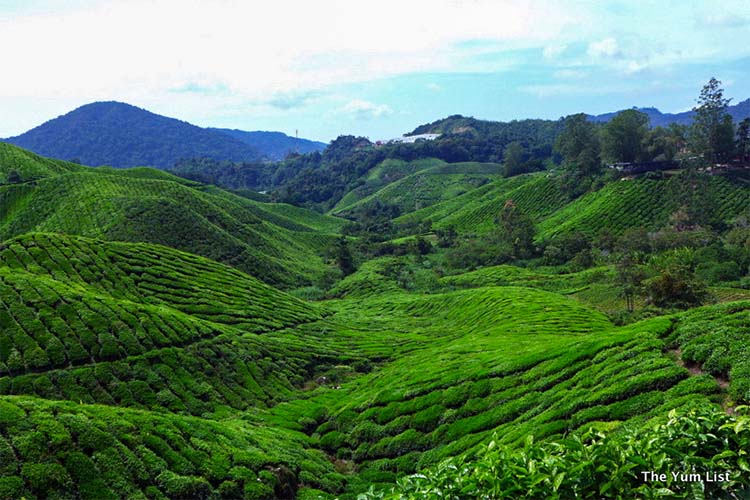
227	228
716	340
155	274
27	166
189	378
511	275
113	323
538	195
63	450
428	187
506	377
641	202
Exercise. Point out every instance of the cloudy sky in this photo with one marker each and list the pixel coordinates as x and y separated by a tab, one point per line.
376	68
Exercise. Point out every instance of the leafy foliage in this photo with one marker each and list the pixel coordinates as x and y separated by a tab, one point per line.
704	442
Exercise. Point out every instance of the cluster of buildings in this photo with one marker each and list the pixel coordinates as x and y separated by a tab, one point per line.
408	139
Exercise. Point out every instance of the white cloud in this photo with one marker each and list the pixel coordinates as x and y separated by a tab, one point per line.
606	47
633	66
142	47
365	110
570	74
554	50
434	87
723	20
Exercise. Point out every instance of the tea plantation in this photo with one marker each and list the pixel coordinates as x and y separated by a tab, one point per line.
160	338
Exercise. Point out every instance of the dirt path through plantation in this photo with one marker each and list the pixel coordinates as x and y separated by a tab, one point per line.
695	369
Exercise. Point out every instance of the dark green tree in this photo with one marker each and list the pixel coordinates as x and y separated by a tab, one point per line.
742	146
14	177
675	286
580	148
664	143
624	137
344	257
630	275
513	159
708	134
516	230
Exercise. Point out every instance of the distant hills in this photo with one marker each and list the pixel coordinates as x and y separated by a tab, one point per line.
738	112
273	145
120	135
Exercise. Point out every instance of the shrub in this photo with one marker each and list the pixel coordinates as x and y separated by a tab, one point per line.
605	465
11	487
177	486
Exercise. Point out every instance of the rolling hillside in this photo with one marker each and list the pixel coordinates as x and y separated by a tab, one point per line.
616	207
150	206
648	203
475	211
147	351
425	187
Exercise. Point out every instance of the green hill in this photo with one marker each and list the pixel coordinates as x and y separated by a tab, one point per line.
278	245
476	210
71	450
142	356
425	187
160	347
508	361
121	135
142	325
615	207
27	166
648	203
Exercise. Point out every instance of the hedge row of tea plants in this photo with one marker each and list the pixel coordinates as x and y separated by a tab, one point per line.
703	441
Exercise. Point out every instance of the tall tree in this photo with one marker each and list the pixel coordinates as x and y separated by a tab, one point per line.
344	257
579	145
630	275
743	139
516	230
665	143
623	137
513	158
708	134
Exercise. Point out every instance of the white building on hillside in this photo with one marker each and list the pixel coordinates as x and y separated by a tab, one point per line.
409	139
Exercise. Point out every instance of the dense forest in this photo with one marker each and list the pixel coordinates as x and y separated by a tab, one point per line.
120	135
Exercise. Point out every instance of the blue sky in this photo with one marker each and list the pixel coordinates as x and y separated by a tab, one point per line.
377	69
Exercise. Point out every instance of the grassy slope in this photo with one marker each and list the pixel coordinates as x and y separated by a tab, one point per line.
616	207
30	166
501	359
381	175
188	378
475	211
450	369
142	325
641	202
428	186
69	450
143	206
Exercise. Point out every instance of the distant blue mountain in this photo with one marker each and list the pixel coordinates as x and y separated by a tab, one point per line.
121	135
274	145
739	112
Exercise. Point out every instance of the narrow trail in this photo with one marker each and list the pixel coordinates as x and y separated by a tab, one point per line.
695	369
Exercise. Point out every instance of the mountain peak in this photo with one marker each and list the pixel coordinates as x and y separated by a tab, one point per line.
738	112
122	135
